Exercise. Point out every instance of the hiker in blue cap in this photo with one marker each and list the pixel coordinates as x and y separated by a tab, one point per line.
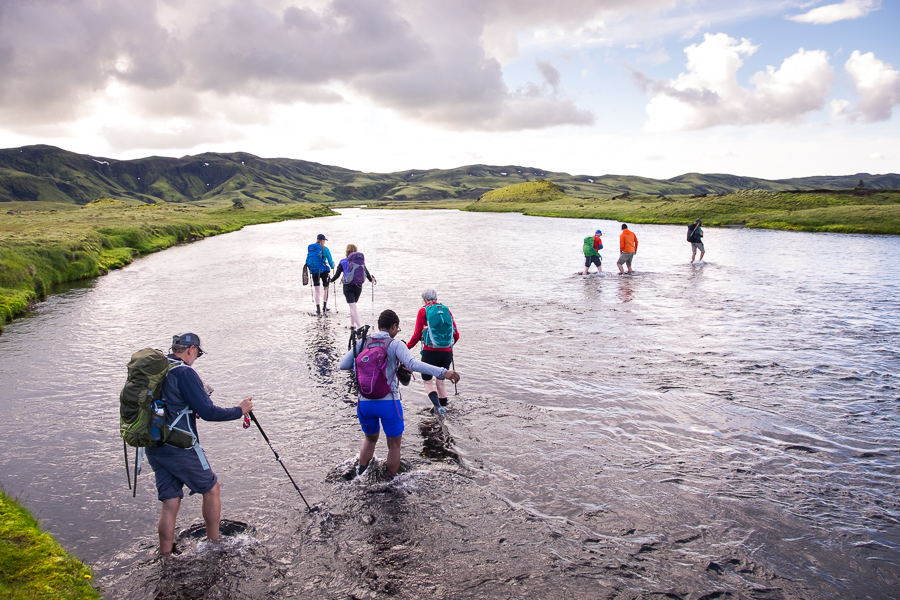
186	398
320	263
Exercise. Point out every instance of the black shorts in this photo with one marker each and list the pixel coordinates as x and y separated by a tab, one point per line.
438	358
591	260
352	293
324	276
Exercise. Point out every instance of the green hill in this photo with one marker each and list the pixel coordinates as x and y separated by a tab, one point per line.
47	174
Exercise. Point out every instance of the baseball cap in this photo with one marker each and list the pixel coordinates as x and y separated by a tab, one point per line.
599	232
187	339
321	237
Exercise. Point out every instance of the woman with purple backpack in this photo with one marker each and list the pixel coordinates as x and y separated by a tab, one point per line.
375	360
354	270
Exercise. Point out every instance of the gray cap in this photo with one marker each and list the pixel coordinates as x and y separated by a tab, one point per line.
187	339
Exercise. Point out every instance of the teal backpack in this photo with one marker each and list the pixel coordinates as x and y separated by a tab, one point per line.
439	330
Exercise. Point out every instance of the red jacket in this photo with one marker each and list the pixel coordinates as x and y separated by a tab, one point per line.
421	324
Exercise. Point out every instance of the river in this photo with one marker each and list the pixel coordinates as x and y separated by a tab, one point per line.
722	429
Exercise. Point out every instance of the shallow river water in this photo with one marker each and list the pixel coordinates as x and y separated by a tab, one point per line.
722	429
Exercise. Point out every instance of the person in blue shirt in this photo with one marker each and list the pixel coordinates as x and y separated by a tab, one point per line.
320	265
187	398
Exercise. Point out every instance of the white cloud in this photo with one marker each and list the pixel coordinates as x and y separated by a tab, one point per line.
878	86
832	13
709	94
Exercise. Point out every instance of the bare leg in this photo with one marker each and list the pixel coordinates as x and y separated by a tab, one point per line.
430	386
368	449
393	458
694	254
441	388
212	512
166	527
316	290
621	270
701	254
585	271
354	315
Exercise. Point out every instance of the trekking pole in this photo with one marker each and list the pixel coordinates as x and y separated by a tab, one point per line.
278	458
127	472
453	366
138	459
373	297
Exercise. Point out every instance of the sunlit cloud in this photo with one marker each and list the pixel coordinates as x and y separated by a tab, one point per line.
832	13
878	86
709	95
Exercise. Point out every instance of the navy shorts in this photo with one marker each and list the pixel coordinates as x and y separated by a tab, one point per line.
438	358
592	260
321	278
388	412
178	467
352	293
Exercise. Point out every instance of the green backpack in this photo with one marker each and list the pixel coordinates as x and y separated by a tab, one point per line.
142	416
588	248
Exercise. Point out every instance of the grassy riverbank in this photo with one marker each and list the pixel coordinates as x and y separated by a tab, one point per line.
44	244
33	566
848	211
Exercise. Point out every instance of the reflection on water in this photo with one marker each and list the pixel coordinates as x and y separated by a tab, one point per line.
728	427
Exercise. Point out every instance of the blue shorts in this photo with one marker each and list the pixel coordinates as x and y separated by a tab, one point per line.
178	467
389	412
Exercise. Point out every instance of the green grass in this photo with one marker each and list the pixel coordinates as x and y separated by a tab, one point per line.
850	211
33	566
529	192
41	248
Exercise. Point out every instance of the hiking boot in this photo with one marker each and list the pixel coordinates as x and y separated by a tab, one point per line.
318	310
444	401
440	410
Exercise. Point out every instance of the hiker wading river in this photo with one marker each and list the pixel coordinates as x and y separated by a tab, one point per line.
709	429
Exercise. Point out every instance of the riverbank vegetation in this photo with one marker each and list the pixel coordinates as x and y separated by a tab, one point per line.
44	244
860	210
33	566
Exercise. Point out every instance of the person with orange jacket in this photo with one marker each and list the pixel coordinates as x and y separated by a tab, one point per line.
628	245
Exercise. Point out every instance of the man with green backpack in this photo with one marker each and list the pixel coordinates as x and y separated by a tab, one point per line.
591	255
176	397
437	330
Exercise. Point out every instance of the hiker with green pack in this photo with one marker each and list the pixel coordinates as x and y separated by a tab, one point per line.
437	330
158	408
592	245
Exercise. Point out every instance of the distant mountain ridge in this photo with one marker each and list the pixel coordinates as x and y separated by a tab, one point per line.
51	174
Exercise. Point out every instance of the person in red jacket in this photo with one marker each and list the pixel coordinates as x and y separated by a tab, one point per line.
439	357
628	244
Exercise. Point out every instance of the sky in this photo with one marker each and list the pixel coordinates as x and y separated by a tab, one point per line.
654	88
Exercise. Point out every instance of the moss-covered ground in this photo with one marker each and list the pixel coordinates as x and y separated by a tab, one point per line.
850	211
33	566
62	243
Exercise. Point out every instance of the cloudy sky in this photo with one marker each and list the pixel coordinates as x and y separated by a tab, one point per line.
766	88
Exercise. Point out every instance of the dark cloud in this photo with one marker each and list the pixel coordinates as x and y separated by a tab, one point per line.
550	74
54	54
424	59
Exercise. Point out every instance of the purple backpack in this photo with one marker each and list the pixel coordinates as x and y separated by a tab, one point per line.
354	269
370	365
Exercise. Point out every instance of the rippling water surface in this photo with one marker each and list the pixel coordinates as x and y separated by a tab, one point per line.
723	429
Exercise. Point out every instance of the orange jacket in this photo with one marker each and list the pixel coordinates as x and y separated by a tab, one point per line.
627	241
